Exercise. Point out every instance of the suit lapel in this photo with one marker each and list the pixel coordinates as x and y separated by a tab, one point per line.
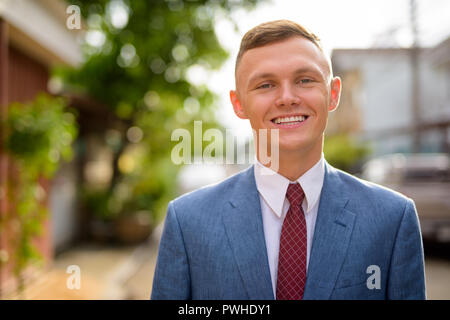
244	229
334	226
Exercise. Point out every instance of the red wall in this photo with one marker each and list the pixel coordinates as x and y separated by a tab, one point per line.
25	78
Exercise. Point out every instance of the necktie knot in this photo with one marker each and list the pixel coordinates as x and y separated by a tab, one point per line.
295	194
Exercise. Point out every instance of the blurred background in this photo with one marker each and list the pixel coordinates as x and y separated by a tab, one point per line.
91	92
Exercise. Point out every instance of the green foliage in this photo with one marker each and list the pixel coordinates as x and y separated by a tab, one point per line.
343	153
161	40
97	201
39	135
139	70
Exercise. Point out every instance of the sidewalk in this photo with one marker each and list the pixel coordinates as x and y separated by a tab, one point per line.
107	272
126	272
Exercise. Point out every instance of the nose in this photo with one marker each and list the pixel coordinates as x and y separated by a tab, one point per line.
287	96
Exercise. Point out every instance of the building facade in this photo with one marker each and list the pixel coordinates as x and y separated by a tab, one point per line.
33	39
389	98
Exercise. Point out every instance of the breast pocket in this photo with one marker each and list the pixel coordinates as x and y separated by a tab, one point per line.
358	291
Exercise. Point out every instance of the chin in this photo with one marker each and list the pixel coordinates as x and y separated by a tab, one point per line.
307	144
292	147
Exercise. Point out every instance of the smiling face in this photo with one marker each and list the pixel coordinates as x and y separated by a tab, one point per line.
287	85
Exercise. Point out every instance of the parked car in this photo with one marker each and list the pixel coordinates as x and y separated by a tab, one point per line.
425	178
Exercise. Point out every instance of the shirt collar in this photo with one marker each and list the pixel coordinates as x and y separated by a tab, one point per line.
272	186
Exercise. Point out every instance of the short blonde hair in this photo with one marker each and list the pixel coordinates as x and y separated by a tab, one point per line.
271	32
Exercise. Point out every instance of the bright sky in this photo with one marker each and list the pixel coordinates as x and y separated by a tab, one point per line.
340	24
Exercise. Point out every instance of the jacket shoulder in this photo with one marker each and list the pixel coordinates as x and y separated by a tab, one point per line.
208	197
374	195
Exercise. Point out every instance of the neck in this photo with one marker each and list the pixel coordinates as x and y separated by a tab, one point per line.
293	164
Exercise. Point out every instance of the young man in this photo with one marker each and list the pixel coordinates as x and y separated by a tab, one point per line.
306	231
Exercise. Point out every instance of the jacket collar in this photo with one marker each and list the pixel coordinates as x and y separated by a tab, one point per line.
272	186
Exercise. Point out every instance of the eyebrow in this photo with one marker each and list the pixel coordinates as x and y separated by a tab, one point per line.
296	72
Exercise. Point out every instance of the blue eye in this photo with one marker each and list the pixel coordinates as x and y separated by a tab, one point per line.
264	86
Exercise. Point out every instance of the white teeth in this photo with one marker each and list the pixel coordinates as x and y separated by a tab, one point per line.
290	119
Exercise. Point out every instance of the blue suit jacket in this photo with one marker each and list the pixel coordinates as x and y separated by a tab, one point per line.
213	245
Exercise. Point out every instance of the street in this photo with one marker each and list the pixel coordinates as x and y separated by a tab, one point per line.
126	272
437	269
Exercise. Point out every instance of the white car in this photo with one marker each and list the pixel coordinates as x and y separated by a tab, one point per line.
425	178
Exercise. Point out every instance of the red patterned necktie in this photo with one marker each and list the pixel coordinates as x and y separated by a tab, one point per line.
292	257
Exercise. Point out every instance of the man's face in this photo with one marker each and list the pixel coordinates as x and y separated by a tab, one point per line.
287	86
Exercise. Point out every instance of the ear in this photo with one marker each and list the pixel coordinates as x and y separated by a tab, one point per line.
336	88
238	110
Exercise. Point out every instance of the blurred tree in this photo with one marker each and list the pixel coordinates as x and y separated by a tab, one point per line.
344	153
139	55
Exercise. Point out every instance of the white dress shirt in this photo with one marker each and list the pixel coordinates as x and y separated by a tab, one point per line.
272	189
